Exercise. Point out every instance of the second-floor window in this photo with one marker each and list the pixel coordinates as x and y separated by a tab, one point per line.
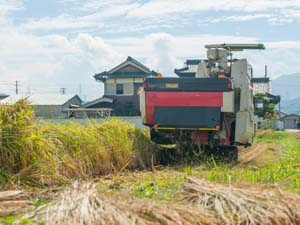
119	89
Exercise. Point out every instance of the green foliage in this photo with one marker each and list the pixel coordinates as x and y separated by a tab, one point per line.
274	136
10	220
157	188
188	170
260	95
269	121
268	108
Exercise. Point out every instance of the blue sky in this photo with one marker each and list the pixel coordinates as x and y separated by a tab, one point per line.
49	44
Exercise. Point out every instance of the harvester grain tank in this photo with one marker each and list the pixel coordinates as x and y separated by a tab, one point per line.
214	109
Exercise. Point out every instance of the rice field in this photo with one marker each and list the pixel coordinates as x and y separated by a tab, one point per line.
109	173
46	154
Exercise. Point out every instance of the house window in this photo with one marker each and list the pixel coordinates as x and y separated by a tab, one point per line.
120	89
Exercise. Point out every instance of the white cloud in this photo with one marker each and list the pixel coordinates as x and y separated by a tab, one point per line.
163	7
161	56
239	18
284	45
94	19
121	16
182	46
7	6
50	62
46	63
61	22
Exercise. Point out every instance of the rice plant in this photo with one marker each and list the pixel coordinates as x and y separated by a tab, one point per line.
44	154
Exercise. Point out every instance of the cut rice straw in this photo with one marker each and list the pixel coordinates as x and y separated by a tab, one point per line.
250	205
83	204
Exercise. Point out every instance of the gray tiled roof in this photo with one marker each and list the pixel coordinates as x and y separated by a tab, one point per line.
260	79
189	69
113	73
40	99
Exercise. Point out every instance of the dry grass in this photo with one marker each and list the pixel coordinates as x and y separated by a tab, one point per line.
14	202
262	133
247	205
201	202
83	204
296	135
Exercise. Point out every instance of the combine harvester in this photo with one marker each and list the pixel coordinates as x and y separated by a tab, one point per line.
214	110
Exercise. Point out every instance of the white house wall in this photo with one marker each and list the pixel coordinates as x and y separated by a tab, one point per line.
262	88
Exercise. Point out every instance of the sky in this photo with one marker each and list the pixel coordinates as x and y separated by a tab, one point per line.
46	45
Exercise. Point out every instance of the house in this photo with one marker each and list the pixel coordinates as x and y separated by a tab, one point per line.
291	121
54	106
98	108
189	69
3	96
281	115
121	84
261	85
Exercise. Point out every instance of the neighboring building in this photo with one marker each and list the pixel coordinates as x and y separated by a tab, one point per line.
48	106
3	96
189	69
121	84
99	103
98	108
291	121
281	115
261	85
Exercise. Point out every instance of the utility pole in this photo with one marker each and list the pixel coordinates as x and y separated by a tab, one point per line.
266	71
63	91
17	87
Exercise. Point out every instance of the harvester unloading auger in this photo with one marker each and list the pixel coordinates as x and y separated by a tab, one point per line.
214	110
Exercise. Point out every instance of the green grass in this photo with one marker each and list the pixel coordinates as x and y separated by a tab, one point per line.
286	171
159	189
10	220
163	185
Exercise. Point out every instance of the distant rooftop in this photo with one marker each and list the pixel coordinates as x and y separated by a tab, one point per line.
189	69
40	99
143	71
3	95
260	79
